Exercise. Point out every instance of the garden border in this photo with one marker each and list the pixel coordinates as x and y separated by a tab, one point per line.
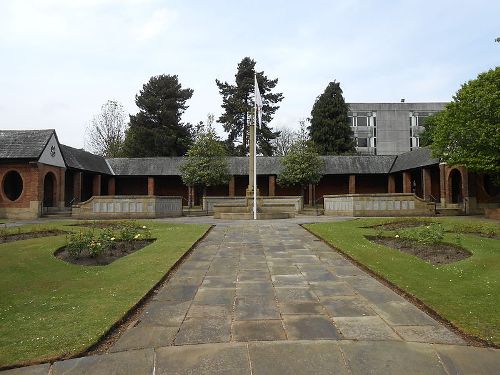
470	339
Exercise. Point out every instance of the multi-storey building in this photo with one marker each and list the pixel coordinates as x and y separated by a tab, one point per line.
389	128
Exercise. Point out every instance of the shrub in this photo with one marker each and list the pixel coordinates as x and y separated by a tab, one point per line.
472	227
425	235
79	242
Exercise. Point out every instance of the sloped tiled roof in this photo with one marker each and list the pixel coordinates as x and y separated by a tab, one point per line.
420	157
170	166
85	161
23	144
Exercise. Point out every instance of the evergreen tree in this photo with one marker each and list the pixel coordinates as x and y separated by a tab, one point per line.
329	127
157	129
238	102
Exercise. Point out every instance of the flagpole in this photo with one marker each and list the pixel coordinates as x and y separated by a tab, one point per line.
255	153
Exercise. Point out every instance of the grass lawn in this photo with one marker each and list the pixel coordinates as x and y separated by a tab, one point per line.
50	308
467	293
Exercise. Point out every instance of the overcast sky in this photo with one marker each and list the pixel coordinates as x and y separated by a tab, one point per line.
60	60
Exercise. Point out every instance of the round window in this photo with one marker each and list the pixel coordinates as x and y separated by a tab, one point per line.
12	185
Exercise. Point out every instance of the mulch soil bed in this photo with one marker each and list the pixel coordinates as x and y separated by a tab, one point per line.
441	253
117	251
98	225
26	236
400	225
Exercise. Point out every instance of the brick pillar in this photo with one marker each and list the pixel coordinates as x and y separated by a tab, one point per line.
272	186
426	183
352	184
77	187
231	186
406	182
62	188
111	186
442	183
151	185
465	182
391	184
96	185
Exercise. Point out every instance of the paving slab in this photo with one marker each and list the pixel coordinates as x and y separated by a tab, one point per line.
209	311
295	295
310	327
131	362
31	370
461	360
256	308
365	328
403	313
347	306
304	358
204	330
391	358
177	293
432	334
220	359
215	296
258	330
165	313
301	308
141	337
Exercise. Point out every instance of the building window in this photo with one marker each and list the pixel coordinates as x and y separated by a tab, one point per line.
350	121
12	185
361	121
362	142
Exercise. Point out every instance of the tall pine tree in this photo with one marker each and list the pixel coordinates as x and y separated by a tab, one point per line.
329	127
238	101
157	129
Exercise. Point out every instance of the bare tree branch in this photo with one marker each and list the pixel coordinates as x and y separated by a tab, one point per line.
106	131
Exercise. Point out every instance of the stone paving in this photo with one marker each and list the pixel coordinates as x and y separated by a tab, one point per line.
269	298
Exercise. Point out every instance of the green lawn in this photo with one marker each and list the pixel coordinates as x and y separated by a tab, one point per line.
50	308
467	293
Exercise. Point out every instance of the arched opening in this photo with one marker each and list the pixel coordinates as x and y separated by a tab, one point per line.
456	186
49	190
12	185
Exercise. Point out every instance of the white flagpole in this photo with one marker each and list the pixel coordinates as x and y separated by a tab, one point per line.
255	155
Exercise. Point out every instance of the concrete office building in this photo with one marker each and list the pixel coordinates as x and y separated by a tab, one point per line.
389	128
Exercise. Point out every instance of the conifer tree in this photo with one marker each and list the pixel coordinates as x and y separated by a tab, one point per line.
157	129
238	102
329	128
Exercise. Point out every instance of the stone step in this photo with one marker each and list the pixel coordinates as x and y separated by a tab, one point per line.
449	211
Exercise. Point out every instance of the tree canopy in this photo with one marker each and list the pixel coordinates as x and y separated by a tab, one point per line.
302	165
206	163
238	101
157	130
329	127
467	131
106	132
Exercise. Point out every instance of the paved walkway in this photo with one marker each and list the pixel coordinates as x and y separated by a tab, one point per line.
269	298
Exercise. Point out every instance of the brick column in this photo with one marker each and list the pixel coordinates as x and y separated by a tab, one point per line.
442	183
77	187
406	182
111	186
391	184
352	184
151	185
62	187
96	185
426	183
231	186
272	186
